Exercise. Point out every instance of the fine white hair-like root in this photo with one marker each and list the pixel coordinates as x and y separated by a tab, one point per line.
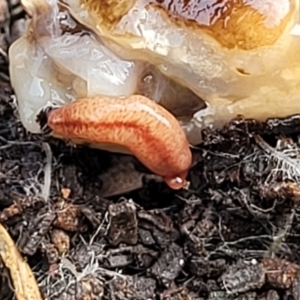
47	172
287	160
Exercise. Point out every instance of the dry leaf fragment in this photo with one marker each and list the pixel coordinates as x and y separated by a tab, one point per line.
23	280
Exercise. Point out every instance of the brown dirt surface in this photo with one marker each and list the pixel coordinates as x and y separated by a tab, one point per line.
97	225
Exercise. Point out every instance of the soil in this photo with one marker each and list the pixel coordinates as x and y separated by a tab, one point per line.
97	225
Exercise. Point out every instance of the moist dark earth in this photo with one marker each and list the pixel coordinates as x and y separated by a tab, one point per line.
97	225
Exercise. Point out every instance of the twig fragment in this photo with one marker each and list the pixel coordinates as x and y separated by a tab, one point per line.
23	280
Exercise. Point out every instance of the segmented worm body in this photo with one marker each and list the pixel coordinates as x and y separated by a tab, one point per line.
145	128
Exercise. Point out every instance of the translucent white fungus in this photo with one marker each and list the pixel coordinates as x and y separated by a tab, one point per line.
205	61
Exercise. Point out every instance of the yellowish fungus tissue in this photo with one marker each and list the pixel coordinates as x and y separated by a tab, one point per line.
205	61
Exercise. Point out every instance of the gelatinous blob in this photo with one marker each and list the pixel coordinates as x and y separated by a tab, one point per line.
239	60
244	24
146	129
238	56
182	102
35	82
77	64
